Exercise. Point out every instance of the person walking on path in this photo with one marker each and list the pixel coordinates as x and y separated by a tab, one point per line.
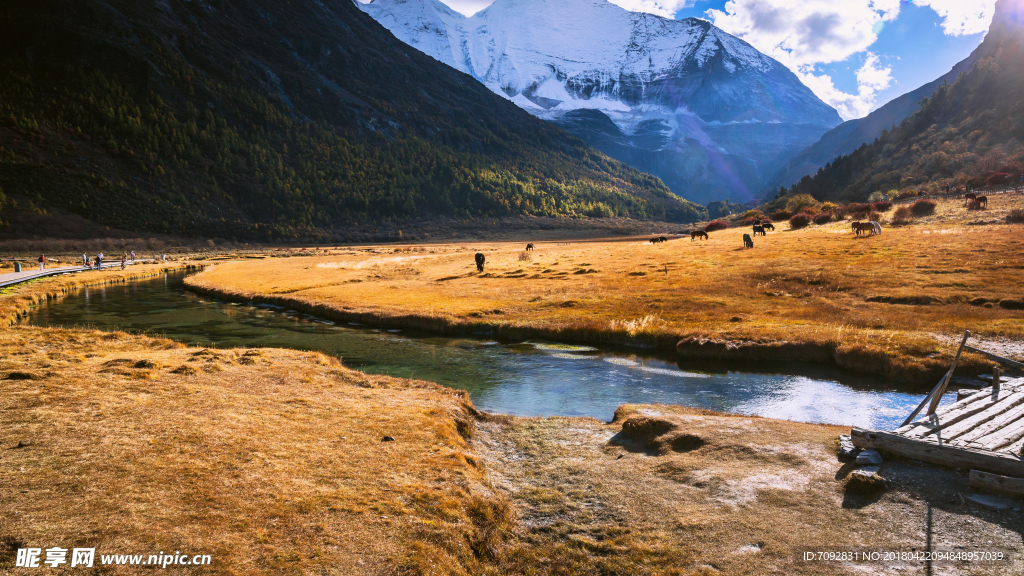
133	255
42	261
99	260
124	257
85	260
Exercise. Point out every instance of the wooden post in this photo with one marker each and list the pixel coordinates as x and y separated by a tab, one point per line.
924	402
996	373
945	381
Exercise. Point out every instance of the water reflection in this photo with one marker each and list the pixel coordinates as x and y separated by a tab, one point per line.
522	378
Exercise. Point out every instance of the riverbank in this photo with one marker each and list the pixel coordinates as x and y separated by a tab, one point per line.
273	461
16	300
883	305
269	461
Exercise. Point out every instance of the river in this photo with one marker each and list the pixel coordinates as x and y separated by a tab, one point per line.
531	378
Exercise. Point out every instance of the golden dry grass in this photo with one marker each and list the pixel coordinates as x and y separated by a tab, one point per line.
884	304
271	461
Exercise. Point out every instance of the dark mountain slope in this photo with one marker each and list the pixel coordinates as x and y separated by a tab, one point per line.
273	119
967	131
850	135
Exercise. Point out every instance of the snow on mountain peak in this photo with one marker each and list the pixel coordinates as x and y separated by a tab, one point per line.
665	85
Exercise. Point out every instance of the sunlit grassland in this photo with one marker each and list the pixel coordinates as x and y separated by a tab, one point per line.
899	295
271	461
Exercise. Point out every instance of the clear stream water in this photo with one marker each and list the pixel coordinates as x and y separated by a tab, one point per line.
532	378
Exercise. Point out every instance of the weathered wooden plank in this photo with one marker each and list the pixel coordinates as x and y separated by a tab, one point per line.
996	483
957	413
1017	448
939	414
952	431
993	426
942	454
999	359
1008	435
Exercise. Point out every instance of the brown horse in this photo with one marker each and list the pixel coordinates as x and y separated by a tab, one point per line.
981	201
529	246
859	227
767	225
698	234
969	198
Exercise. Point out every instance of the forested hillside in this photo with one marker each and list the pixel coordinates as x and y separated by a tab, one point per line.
273	119
967	132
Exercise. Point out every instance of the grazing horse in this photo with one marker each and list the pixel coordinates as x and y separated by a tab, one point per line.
662	238
480	259
529	246
859	227
768	226
747	242
698	234
981	201
969	198
758	230
655	240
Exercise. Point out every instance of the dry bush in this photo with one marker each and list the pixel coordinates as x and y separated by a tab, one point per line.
902	215
800	201
823	218
923	207
882	206
1016	216
780	215
525	257
799	221
716	225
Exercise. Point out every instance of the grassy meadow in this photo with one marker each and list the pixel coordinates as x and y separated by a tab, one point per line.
889	305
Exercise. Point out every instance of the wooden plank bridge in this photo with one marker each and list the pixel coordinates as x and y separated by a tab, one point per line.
983	431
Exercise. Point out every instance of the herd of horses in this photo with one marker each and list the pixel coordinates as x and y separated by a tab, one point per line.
761	227
972	200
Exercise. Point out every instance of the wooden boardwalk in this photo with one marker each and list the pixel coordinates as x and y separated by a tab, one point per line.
983	431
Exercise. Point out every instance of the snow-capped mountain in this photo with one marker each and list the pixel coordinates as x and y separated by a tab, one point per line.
705	111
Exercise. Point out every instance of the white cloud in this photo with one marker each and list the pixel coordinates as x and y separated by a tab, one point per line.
962	17
803	35
666	8
872	78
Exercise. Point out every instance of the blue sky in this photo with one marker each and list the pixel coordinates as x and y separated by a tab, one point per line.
856	55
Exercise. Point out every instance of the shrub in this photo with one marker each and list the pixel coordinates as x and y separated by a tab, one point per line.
874	216
902	215
997	179
1016	216
750	221
876	196
716	225
752	215
795	203
823	218
882	206
923	207
856	211
828	207
780	215
799	221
